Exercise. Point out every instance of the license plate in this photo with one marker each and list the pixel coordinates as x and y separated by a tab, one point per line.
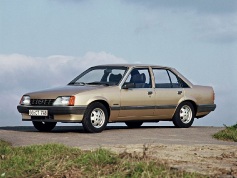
38	112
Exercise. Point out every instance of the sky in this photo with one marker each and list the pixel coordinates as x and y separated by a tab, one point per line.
46	43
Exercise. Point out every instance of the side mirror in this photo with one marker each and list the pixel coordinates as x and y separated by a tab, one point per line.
128	85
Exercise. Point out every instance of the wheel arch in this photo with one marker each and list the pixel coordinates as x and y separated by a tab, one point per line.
105	103
190	101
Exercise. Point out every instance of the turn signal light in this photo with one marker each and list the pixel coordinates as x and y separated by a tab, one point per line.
71	101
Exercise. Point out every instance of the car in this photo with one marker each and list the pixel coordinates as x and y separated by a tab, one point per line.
128	93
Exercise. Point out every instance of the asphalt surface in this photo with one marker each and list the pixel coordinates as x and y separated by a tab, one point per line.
112	135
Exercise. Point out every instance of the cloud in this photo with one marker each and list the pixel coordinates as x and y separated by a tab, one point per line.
206	21
71	1
218	28
20	74
200	6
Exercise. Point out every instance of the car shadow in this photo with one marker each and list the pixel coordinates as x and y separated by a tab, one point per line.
78	129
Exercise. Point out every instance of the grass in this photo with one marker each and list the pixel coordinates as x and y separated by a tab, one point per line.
56	160
228	134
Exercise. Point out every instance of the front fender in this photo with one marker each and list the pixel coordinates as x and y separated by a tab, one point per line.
96	98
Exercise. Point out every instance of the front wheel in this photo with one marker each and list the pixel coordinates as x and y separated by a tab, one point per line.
95	118
44	126
184	115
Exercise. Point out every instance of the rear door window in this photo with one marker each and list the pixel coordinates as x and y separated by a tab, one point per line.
165	79
162	79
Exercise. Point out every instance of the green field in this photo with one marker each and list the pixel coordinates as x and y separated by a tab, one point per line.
55	160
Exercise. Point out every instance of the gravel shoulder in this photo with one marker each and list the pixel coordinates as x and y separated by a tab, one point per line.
191	149
212	160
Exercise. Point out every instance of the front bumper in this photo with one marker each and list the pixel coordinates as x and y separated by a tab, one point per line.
55	113
54	110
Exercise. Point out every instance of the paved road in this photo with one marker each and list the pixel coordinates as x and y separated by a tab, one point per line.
113	135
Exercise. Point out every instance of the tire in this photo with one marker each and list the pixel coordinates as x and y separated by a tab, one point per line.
44	126
134	124
95	118
184	115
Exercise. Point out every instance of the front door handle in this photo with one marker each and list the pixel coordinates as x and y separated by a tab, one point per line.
179	92
149	92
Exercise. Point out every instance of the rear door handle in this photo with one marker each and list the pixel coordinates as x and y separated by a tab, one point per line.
149	92
179	92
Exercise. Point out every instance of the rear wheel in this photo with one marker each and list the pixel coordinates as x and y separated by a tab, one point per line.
44	126
134	124
184	115
95	118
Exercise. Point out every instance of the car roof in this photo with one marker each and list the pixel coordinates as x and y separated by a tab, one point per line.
135	65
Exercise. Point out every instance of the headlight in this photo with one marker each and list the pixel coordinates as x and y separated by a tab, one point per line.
25	100
64	101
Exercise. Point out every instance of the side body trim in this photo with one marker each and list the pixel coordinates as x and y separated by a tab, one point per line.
143	107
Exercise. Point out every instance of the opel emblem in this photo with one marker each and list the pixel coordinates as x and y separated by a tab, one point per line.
40	102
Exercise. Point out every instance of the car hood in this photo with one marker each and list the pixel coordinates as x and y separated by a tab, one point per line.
68	90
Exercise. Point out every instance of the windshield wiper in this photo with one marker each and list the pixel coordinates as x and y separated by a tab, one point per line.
97	83
77	83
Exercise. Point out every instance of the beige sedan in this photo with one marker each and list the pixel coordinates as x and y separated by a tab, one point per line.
119	93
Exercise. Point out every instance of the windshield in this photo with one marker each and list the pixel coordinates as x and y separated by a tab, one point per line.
100	75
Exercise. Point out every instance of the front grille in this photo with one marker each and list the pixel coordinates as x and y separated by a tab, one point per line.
42	102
